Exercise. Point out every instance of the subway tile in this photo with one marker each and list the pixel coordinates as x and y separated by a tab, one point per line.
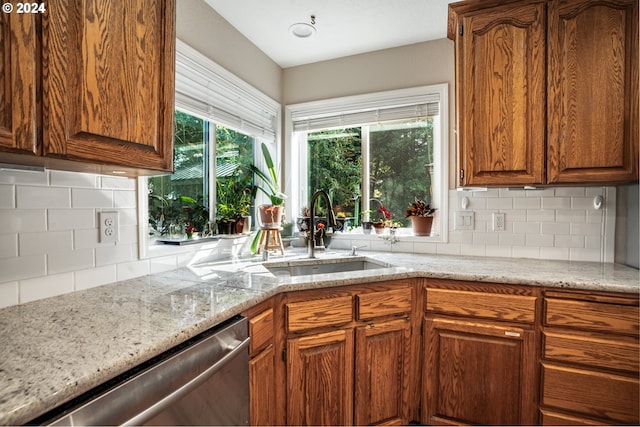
539	240
499	203
568	215
73	179
8	245
527	203
45	287
447	249
568	241
129	270
124	199
583	254
45	242
22	220
32	197
485	238
569	191
87	238
463	237
117	183
9	294
402	246
91	198
24	177
22	267
544	215
595	191
594	216
70	219
556	228
554	253
129	235
128	217
489	192
593	242
509	239
425	248
498	251
530	227
7	196
472	250
556	203
515	215
65	261
92	277
512	192
541	192
586	229
113	254
525	252
585	203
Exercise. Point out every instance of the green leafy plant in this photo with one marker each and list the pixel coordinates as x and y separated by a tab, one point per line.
233	195
271	188
419	208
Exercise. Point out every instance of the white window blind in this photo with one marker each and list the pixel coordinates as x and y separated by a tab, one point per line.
361	110
206	89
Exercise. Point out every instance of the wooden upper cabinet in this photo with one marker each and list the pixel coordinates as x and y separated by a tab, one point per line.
108	82
18	84
500	69
593	91
547	91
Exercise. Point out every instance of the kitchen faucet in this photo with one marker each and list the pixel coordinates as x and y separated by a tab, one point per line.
331	219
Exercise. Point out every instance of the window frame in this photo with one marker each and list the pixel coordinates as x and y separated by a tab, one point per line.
296	149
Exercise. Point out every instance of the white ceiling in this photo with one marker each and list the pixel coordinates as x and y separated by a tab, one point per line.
344	27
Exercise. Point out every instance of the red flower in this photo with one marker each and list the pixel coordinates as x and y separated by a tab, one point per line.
385	212
320	226
190	229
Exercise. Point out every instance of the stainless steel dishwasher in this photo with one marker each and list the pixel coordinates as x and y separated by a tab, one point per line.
204	382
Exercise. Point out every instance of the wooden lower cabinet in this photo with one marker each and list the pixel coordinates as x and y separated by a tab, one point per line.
382	379
478	373
320	379
590	359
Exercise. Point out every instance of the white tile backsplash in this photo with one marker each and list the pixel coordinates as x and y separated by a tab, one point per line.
49	238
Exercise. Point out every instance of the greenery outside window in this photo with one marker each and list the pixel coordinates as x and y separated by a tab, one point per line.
392	151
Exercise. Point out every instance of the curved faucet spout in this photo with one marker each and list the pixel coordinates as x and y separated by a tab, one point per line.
331	219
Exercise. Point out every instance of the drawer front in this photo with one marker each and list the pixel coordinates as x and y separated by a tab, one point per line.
551	418
609	353
592	316
319	313
514	308
384	303
595	394
260	331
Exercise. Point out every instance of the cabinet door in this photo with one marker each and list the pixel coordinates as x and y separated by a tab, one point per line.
382	383
108	82
593	91
500	77
18	84
478	373
262	397
320	379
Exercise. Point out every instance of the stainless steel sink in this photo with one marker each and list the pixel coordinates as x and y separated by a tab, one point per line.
306	267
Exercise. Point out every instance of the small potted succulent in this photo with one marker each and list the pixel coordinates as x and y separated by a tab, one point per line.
421	215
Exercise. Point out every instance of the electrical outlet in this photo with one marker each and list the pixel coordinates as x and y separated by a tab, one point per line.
498	221
108	227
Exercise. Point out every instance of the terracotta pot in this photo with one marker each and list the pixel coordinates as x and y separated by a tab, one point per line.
270	216
422	225
379	227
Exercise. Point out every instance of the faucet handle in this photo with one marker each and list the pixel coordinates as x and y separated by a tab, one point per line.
354	248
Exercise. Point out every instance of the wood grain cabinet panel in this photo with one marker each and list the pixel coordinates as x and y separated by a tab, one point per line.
108	82
500	84
318	313
593	316
593	91
19	76
384	303
320	379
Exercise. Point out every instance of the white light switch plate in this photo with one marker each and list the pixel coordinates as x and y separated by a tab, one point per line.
464	220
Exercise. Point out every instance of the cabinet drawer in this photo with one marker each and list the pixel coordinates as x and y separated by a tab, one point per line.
551	418
260	331
383	303
319	313
609	353
515	308
596	394
592	316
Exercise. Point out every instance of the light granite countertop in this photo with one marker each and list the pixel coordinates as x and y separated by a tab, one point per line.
55	349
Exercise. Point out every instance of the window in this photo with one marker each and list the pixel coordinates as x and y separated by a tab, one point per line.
391	151
219	120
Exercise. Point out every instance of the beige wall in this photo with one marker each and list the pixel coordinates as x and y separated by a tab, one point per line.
408	66
202	28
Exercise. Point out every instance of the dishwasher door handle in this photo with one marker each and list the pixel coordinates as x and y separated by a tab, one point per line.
176	395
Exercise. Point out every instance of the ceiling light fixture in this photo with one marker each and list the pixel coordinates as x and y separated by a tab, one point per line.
303	30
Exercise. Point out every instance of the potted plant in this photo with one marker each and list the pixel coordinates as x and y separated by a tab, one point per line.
233	200
421	215
270	215
384	219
